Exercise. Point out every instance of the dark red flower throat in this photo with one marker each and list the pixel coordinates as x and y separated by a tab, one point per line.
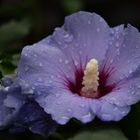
103	88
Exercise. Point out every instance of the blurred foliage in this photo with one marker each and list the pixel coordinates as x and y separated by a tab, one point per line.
72	5
24	22
12	32
100	134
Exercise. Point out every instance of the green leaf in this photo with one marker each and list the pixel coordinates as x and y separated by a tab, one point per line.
13	31
8	64
100	134
72	5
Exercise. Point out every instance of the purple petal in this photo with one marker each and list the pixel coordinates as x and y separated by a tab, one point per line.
63	105
124	52
44	65
109	112
83	35
11	99
127	94
32	116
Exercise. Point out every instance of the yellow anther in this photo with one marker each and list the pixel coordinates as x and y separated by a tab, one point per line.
90	79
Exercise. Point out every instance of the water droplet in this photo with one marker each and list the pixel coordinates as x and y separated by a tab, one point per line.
118	51
98	29
58	102
52	76
76	63
115	109
39	93
67	76
39	80
87	117
40	64
57	95
89	22
106	116
133	92
121	77
69	110
50	81
64	117
124	112
84	44
6	88
60	60
35	55
82	105
59	43
112	99
66	61
111	61
25	54
80	52
116	29
68	38
110	43
124	45
130	71
100	20
128	61
78	34
26	68
117	44
59	76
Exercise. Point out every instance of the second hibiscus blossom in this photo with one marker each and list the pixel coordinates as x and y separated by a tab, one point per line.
85	69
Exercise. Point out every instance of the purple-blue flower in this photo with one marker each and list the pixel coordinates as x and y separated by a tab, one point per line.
32	117
12	97
19	112
85	69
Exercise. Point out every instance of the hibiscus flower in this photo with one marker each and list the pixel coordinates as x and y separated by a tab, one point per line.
85	69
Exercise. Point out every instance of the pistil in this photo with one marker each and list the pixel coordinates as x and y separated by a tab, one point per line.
90	80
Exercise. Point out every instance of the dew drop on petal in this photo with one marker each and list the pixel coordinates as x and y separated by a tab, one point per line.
69	110
66	61
111	61
89	22
65	118
25	54
57	95
80	52
40	64
35	55
26	68
100	20
68	38
106	116
58	102
76	44
39	80
50	81
82	105
87	117
130	71
98	29
117	44
60	60
52	76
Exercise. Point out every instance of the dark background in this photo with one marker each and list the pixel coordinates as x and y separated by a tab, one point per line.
25	22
